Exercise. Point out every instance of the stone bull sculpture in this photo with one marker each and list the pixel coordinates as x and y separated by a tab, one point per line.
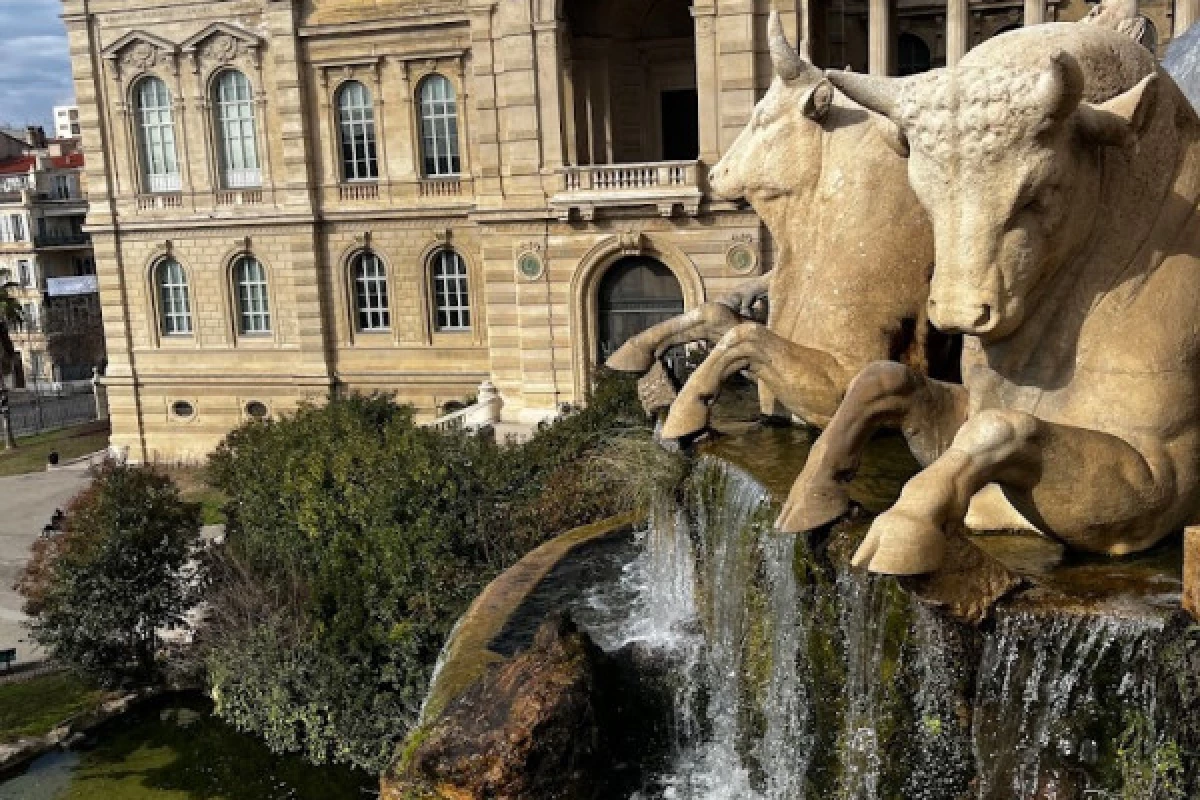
1061	170
854	261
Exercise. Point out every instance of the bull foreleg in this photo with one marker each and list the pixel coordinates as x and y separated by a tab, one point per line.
884	394
807	382
707	322
1093	490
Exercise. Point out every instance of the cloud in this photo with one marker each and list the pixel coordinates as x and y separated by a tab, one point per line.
35	69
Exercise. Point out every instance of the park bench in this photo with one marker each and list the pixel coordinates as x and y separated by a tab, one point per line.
7	657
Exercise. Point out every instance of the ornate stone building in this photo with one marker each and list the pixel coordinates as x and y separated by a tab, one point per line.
290	197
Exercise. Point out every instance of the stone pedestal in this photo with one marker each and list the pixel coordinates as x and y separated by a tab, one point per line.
1191	571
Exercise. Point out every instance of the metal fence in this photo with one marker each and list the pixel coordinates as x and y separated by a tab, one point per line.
36	413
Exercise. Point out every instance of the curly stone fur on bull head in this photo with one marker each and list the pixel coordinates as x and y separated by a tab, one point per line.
996	154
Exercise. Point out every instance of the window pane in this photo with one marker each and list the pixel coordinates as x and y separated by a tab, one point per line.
439	127
156	127
254	315
452	306
370	293
174	302
356	121
235	131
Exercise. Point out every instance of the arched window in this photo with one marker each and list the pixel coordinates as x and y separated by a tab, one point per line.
370	292
234	103
912	55
356	118
250	284
452	303
156	135
439	127
175	306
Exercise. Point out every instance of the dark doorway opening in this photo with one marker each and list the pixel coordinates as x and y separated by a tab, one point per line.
913	55
635	294
680	125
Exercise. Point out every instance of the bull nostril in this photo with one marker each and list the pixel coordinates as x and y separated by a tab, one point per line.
985	316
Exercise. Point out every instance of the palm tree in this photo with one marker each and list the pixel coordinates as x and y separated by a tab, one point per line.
10	314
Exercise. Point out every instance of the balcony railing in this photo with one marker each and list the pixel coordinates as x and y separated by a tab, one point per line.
239	197
159	202
61	239
441	187
358	192
665	184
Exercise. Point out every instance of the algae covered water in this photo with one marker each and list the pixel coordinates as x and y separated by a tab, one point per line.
175	749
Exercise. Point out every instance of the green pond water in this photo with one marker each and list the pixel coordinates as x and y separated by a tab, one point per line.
176	750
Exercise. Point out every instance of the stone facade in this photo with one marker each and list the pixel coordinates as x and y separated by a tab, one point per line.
563	123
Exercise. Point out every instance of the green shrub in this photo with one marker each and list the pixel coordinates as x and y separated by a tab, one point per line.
355	541
99	591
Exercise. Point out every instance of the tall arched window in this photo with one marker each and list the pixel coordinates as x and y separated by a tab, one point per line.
452	303
234	103
250	285
439	127
356	118
370	292
156	135
175	308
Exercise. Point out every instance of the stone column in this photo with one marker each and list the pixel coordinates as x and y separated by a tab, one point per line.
1035	12
1186	13
958	30
550	106
708	87
879	37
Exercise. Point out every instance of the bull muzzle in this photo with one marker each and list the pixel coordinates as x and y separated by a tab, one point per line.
720	183
963	315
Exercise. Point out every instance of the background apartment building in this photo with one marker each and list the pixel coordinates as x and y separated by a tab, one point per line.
291	197
46	260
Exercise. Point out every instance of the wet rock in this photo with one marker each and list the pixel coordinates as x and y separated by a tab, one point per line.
528	729
969	583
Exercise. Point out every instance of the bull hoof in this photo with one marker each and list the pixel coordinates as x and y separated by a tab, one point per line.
687	417
631	357
811	506
902	544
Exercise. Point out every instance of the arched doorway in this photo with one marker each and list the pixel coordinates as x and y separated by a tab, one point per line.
635	293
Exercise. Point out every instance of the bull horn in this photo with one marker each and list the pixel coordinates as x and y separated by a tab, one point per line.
1060	88
872	92
788	64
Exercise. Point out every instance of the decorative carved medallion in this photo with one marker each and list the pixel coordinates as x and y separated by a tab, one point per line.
530	263
222	48
142	56
741	257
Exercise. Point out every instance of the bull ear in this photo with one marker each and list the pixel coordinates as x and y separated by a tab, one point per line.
1060	88
1118	121
817	100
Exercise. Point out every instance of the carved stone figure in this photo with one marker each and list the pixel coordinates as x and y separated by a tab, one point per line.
1061	169
855	256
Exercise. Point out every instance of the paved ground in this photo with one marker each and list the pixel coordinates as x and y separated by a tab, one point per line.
26	503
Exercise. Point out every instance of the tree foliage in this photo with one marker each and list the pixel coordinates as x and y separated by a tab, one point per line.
121	569
356	538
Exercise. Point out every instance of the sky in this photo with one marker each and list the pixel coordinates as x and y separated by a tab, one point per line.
35	71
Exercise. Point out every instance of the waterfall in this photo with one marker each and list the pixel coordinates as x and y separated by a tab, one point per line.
787	745
861	602
1040	673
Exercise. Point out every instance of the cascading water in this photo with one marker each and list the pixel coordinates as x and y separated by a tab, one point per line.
799	677
1055	691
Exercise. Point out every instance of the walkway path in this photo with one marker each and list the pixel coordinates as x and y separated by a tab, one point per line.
26	503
